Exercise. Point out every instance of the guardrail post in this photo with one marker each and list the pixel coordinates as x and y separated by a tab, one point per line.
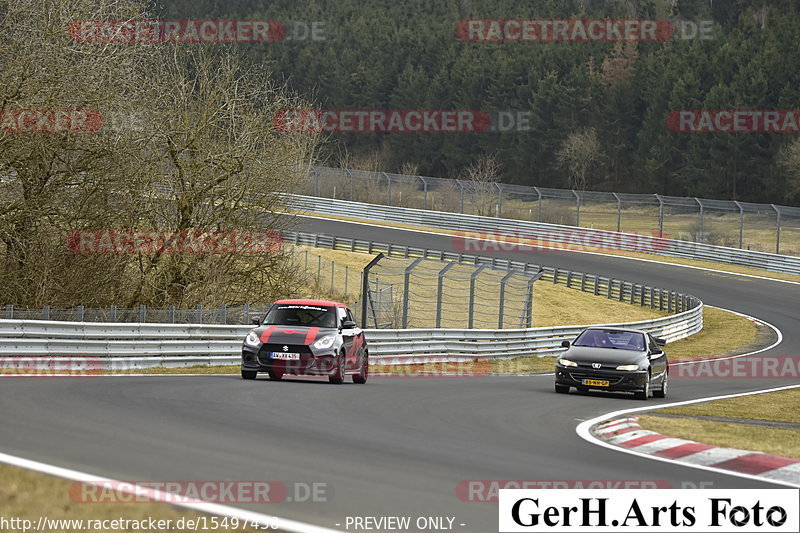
610	287
365	285
406	284
596	285
555	276
652	299
503	299
439	291
142	313
569	279
633	293
472	277
583	282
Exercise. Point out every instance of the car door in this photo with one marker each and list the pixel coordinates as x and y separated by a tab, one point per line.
658	359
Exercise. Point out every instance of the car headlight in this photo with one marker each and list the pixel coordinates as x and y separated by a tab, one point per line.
325	342
252	339
628	367
567	362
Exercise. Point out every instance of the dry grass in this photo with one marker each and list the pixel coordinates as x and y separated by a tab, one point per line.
781	406
722	332
768	440
30	495
732	269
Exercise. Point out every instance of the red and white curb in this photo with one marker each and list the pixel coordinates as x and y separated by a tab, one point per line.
628	434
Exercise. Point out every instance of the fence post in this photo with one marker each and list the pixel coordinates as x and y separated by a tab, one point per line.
462	195
246	313
472	277
534	279
741	224
424	192
113	313
539	204
406	283
499	200
352	185
503	298
319	268
333	273
619	211
577	208
142	313
439	291
702	220
9	311
223	314
777	229
199	313
81	311
172	313
660	216
346	278
365	285
46	312
316	181
388	188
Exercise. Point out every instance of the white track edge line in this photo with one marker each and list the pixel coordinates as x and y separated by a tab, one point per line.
666	263
283	524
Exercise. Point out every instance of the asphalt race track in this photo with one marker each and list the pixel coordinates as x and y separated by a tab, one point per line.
395	447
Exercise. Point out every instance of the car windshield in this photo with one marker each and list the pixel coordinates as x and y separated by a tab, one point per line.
301	315
604	338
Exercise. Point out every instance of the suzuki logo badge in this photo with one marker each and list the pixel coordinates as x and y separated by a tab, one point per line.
286	349
596	365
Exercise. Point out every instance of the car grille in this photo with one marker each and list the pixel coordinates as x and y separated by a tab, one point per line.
263	353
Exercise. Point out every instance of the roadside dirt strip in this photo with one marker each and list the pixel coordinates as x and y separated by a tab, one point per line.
626	433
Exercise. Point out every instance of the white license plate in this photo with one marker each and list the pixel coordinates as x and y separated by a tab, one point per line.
285	355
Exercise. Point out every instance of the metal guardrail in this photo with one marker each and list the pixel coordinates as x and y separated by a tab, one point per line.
111	346
539	231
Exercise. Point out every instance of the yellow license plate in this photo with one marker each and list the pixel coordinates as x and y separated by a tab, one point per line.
596	382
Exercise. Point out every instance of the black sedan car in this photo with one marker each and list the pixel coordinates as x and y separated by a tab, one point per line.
306	338
614	359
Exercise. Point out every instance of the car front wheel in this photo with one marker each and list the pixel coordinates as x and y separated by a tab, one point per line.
662	392
363	372
249	374
562	389
337	378
645	392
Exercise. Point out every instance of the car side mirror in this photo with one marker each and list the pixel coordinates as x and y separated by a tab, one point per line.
660	341
255	321
565	344
348	324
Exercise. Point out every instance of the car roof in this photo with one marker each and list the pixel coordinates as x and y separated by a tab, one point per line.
612	328
306	301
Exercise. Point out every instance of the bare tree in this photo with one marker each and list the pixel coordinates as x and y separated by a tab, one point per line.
579	153
789	160
480	181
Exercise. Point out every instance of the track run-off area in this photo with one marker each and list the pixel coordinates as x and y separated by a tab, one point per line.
395	447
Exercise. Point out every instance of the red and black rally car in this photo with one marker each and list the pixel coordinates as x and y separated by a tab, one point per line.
306	338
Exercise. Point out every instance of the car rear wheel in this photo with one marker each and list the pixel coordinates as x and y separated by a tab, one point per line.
562	389
645	392
363	372
338	376
275	375
662	392
249	374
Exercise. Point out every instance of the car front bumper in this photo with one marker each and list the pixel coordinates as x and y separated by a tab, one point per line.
321	363
618	380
